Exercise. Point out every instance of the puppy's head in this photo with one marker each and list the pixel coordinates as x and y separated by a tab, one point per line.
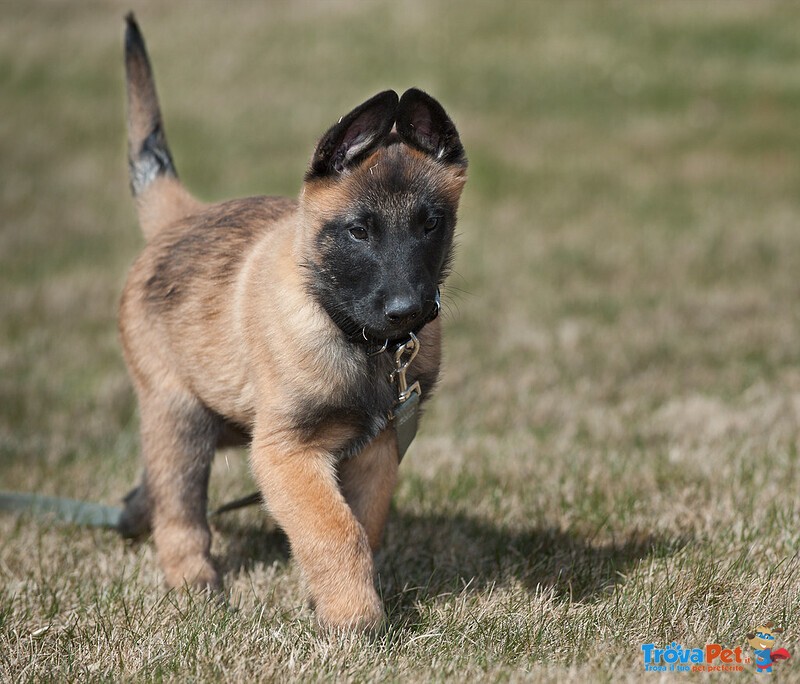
379	210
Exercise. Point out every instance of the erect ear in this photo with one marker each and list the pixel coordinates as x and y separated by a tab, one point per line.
355	136
423	123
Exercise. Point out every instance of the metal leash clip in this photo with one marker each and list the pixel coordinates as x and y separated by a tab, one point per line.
403	357
406	412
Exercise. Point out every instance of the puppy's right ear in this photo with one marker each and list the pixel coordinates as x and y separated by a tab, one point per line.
423	123
355	136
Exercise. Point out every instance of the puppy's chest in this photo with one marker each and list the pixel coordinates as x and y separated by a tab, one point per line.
347	419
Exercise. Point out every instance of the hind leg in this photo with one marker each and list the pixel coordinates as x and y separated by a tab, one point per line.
135	521
368	480
179	437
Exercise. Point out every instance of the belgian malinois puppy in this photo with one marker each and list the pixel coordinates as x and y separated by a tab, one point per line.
289	324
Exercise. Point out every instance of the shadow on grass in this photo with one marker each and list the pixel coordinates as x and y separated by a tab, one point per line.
435	554
427	555
250	545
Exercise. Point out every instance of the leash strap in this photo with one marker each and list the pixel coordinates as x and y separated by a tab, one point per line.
406	419
87	513
83	513
236	504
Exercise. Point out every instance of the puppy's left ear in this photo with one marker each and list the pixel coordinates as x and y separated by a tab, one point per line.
423	124
355	136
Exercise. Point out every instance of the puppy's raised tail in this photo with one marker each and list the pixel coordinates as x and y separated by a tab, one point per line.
160	197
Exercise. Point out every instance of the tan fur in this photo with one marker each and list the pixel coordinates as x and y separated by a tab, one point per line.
224	339
216	354
164	202
368	483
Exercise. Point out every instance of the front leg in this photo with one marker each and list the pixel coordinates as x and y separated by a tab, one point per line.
368	481
302	493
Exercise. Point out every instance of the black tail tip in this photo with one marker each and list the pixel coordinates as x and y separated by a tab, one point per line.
133	35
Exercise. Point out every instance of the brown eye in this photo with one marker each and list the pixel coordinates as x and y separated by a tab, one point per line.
359	233
431	224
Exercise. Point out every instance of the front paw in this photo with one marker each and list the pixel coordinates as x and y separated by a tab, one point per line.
197	572
354	611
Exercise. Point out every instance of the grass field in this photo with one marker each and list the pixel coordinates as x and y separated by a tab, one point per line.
612	457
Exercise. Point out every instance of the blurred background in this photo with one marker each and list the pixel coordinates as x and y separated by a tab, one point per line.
622	327
629	230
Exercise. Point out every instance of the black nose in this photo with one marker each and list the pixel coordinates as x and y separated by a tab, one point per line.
402	310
